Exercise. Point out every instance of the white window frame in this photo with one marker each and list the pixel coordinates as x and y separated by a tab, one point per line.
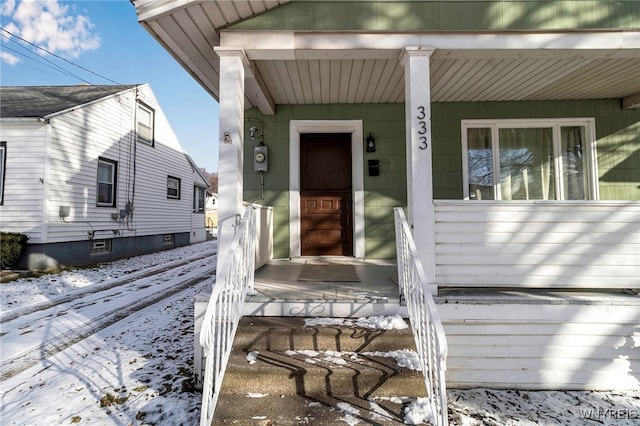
591	170
113	182
199	199
145	127
178	189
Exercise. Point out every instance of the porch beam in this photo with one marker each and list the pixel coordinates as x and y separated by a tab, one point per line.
231	144
290	45
631	101
421	212
257	92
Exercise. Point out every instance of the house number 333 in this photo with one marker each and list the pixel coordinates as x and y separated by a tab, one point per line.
423	141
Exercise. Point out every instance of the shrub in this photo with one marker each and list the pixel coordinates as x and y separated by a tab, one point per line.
12	246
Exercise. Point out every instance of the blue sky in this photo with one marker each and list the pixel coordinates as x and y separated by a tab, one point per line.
106	38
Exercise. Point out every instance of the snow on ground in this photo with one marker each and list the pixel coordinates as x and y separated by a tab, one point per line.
139	371
28	291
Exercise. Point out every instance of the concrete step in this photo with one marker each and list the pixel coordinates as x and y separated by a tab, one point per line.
270	410
290	333
317	375
328	373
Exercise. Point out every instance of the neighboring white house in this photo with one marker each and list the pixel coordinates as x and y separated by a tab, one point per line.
211	209
94	173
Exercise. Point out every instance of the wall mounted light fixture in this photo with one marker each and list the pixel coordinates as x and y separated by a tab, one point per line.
371	143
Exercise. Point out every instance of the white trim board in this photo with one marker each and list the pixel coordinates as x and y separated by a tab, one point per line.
354	127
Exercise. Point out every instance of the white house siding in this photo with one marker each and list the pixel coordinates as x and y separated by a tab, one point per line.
24	178
198	231
547	244
155	213
105	129
570	341
78	138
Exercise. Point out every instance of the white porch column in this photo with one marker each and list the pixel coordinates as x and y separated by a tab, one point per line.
421	215
230	179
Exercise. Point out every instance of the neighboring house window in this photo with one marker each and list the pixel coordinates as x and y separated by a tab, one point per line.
107	172
100	246
168	239
3	163
198	199
529	159
146	117
173	187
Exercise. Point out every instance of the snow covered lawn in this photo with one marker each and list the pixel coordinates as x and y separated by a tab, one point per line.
139	371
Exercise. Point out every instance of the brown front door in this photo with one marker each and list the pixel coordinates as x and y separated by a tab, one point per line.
325	195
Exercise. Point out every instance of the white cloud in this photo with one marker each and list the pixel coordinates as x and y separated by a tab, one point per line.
9	58
7	6
53	26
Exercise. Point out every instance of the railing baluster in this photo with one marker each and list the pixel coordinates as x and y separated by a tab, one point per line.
427	328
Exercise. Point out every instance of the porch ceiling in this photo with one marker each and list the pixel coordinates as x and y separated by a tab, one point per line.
306	73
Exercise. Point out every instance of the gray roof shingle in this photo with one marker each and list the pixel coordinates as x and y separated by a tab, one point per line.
40	101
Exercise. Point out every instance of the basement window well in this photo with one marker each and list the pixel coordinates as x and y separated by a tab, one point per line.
100	246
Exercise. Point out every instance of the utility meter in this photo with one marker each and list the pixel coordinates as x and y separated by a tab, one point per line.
260	159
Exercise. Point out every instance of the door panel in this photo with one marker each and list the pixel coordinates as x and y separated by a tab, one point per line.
325	195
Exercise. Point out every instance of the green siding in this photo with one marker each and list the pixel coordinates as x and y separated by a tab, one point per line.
618	148
451	15
617	140
382	193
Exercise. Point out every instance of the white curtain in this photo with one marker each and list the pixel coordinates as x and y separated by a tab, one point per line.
527	170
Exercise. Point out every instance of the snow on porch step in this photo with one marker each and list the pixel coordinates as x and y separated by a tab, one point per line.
286	357
291	333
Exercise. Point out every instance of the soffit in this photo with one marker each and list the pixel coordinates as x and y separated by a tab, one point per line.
190	29
452	80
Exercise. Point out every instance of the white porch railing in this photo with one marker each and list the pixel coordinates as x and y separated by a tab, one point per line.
233	280
425	321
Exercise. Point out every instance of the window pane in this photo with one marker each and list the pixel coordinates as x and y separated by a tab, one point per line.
201	201
480	164
105	172
144	116
573	162
145	123
145	133
173	187
104	193
106	184
527	169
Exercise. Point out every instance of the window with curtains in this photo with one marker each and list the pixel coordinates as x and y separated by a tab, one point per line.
529	159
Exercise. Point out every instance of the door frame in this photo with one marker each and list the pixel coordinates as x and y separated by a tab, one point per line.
354	127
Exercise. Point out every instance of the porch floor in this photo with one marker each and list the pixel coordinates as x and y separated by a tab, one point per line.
279	292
